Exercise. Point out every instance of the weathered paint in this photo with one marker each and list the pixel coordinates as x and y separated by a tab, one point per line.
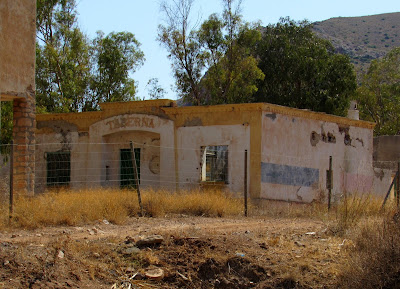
158	133
288	148
191	139
296	141
288	175
17	48
357	183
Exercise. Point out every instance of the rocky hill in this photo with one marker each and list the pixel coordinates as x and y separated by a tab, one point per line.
362	38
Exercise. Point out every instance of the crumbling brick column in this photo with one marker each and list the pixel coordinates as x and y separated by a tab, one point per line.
24	144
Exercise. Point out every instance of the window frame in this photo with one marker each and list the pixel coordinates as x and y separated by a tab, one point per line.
210	161
56	174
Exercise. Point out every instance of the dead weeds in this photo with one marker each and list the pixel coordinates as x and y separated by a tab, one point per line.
197	252
306	247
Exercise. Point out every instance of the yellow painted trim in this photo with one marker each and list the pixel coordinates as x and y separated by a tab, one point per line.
70	115
137	104
166	105
317	116
270	108
255	155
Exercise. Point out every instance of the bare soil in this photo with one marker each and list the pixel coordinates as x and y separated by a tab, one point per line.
196	252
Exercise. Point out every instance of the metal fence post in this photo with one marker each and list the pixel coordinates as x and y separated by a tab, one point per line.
136	176
329	182
245	183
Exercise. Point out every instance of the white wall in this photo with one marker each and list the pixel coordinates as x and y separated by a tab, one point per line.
65	141
295	157
191	139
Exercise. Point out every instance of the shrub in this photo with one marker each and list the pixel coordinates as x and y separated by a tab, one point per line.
354	208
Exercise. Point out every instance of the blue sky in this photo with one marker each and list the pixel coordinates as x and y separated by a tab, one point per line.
142	17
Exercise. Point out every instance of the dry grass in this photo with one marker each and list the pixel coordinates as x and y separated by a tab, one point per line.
374	256
80	207
374	261
283	209
356	208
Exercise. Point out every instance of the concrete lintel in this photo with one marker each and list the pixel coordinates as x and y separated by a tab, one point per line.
9	96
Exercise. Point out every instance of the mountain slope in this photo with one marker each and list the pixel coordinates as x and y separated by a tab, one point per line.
362	38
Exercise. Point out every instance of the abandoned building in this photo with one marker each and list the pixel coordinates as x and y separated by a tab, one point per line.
176	148
274	152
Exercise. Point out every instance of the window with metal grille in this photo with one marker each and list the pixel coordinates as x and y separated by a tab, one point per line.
214	167
58	168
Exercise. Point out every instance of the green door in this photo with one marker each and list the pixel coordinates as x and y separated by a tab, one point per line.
127	176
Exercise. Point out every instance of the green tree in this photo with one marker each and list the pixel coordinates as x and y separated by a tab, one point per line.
6	118
232	72
214	64
62	58
75	74
379	94
184	50
116	56
302	70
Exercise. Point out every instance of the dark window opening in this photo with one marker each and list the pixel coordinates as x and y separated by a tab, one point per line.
214	166
58	168
127	173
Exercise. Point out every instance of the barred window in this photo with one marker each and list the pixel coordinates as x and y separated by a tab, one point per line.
58	168
214	166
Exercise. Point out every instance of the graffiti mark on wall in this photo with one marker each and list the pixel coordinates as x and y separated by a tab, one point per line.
288	175
131	121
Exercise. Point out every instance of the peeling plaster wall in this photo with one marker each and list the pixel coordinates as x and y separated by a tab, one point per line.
295	157
191	139
153	134
17	47
288	149
148	142
92	152
61	136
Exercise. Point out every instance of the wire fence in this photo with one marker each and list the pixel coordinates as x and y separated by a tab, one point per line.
111	165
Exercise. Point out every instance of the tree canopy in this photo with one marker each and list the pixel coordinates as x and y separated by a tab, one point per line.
115	57
228	42
302	70
75	74
62	58
379	94
212	64
184	49
221	60
228	60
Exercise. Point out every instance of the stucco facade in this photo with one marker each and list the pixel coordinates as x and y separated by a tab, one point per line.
179	147
17	49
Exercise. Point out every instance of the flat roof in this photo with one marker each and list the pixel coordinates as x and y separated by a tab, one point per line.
170	107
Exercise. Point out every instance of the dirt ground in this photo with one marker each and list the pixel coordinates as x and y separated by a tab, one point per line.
195	252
